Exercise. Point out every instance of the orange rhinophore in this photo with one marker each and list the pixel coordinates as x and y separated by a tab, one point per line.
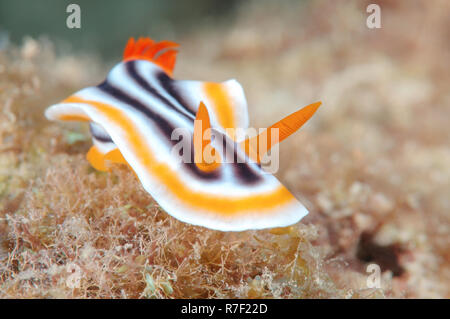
133	115
257	146
205	155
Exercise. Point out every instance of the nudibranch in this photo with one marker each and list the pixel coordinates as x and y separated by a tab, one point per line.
132	115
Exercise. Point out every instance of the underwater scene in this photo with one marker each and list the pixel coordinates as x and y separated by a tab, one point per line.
252	149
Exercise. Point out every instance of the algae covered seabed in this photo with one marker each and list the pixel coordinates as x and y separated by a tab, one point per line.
372	166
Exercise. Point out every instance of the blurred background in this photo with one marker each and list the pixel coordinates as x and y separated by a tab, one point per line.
107	25
372	165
